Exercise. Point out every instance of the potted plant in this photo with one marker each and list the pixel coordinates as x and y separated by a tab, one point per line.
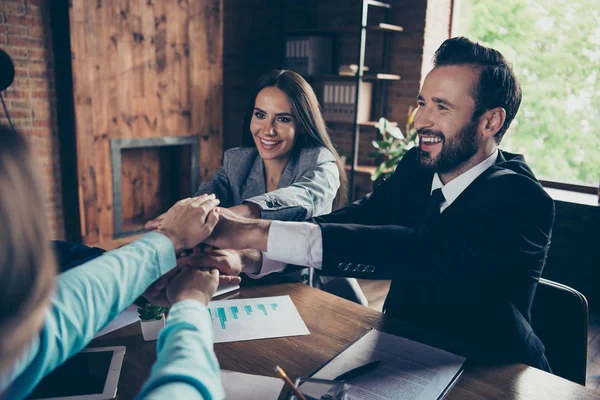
393	144
152	319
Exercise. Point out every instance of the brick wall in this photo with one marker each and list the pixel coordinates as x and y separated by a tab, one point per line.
253	45
406	58
31	99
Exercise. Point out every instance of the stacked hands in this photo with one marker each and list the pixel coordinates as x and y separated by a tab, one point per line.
210	243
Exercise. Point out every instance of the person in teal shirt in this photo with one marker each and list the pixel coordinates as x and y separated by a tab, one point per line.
45	319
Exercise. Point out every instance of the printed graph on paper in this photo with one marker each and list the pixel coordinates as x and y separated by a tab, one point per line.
258	318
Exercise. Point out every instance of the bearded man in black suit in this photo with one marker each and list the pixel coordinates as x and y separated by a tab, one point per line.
461	228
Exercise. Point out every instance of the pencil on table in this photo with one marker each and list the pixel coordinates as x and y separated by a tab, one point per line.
284	376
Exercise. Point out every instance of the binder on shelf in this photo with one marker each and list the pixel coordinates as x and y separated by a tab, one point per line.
309	55
339	99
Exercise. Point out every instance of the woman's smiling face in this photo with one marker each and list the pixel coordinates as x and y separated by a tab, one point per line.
273	126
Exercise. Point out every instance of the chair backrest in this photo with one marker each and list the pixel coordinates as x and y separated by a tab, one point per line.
560	319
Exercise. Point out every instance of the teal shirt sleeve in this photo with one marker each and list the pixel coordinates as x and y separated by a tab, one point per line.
87	299
186	367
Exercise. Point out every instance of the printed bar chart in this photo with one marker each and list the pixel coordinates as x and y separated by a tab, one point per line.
247	319
222	316
222	313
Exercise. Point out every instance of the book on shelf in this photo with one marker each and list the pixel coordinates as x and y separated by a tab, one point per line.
339	99
309	55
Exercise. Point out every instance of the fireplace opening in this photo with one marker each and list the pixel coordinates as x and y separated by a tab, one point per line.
149	176
152	180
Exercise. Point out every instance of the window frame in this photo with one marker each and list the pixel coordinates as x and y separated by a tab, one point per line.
571	187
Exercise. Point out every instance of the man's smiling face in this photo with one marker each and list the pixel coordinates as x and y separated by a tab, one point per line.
448	136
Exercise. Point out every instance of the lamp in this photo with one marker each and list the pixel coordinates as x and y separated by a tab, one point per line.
7	75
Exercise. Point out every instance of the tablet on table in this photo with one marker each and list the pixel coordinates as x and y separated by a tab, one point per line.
92	374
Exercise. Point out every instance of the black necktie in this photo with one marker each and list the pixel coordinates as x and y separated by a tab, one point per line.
433	210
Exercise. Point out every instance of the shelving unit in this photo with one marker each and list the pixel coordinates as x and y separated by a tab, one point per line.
386	27
379	27
372	124
381	78
366	77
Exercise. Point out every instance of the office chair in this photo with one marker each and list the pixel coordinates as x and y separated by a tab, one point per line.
560	319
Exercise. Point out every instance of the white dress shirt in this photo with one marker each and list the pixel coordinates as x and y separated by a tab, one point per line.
301	243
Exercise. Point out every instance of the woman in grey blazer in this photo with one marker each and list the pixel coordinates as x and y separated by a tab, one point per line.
306	188
288	168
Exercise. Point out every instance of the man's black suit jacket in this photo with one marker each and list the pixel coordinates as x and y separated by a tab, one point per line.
471	275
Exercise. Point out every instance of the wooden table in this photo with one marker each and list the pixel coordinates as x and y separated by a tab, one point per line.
334	324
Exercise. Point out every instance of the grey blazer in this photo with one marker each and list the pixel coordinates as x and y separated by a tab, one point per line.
306	189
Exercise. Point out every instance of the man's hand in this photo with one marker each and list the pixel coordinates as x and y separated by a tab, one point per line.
229	262
193	284
189	222
236	232
156	292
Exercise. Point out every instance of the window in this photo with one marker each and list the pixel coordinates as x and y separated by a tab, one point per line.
554	46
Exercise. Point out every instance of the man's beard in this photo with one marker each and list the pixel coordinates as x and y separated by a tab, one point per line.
455	151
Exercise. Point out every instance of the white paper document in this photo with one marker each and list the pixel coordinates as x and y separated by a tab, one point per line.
239	386
127	317
130	315
258	318
408	370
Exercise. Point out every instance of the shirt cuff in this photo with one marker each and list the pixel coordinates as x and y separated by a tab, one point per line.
185	306
165	252
194	312
298	243
268	267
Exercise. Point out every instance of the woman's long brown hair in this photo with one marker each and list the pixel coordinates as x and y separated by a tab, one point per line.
27	264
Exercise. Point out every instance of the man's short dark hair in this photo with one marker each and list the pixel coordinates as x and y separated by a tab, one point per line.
497	87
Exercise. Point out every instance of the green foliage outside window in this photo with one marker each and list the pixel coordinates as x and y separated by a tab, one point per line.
554	46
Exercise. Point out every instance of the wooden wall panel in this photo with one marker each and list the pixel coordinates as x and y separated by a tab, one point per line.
142	69
207	81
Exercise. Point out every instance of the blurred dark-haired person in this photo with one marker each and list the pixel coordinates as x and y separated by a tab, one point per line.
287	169
45	319
462	228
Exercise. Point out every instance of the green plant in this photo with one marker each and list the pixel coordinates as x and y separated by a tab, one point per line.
151	312
393	144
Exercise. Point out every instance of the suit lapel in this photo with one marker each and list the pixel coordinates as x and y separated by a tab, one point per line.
287	176
473	187
255	185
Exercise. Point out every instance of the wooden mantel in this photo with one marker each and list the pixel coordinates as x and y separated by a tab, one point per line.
142	69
